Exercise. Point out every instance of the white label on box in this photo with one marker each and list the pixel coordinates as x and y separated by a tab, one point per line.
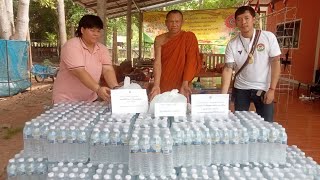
210	104
129	101
170	109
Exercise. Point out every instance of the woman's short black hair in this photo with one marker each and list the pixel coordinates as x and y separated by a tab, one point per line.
89	21
243	9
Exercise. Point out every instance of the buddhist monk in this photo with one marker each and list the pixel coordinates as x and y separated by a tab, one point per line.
177	58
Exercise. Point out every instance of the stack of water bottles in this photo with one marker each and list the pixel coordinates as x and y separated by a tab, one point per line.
150	150
297	166
267	141
109	140
24	167
229	141
191	144
91	143
62	133
112	171
70	171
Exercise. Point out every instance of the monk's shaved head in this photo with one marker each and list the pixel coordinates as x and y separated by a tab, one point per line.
174	12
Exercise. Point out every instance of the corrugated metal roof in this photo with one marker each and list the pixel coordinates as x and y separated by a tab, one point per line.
117	8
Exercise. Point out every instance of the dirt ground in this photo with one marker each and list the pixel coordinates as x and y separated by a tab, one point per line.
14	112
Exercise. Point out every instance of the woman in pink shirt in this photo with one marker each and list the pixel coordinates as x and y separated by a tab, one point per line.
83	60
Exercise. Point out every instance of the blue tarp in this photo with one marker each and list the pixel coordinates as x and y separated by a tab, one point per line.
14	76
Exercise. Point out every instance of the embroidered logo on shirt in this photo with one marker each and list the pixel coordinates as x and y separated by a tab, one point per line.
240	52
260	47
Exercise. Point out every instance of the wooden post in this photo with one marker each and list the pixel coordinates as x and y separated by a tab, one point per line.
101	11
115	45
129	31
140	34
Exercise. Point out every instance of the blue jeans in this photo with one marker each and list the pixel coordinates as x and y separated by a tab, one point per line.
242	100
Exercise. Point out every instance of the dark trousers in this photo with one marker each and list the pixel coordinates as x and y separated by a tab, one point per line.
242	100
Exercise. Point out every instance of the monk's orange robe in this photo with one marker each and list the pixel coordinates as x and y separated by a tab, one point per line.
180	61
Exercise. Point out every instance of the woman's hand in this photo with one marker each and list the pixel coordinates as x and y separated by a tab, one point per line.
104	93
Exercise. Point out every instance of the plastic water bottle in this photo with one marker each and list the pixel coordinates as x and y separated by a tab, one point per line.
115	142
188	149
125	145
30	168
207	147
12	170
44	129
244	141
167	154
51	143
263	145
253	145
156	157
104	149
284	140
72	148
215	144
27	138
198	147
82	140
274	147
94	140
61	139
225	139
134	155
145	149
36	145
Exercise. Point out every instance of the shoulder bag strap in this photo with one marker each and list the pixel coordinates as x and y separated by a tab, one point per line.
254	44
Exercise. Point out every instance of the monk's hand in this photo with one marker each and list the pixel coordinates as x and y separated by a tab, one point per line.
154	91
268	97
104	93
186	91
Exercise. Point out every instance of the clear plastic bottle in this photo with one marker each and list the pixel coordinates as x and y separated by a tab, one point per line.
36	145
44	129
94	142
198	147
145	152
134	155
82	140
12	170
207	147
27	138
104	146
115	142
61	145
167	154
51	143
156	157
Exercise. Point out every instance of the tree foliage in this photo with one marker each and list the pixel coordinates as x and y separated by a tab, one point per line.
44	18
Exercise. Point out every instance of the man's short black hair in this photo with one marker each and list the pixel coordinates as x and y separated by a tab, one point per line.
243	9
89	21
175	11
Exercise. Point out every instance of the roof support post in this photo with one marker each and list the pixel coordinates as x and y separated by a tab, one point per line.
129	31
140	33
101	11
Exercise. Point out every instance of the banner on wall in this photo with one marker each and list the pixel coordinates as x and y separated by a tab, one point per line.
215	26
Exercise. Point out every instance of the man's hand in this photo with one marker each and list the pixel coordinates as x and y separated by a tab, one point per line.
154	91
268	97
104	93
186	91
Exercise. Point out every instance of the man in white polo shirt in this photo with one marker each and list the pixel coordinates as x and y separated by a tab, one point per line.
257	81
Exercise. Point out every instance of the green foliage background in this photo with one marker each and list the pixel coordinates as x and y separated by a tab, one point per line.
44	18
